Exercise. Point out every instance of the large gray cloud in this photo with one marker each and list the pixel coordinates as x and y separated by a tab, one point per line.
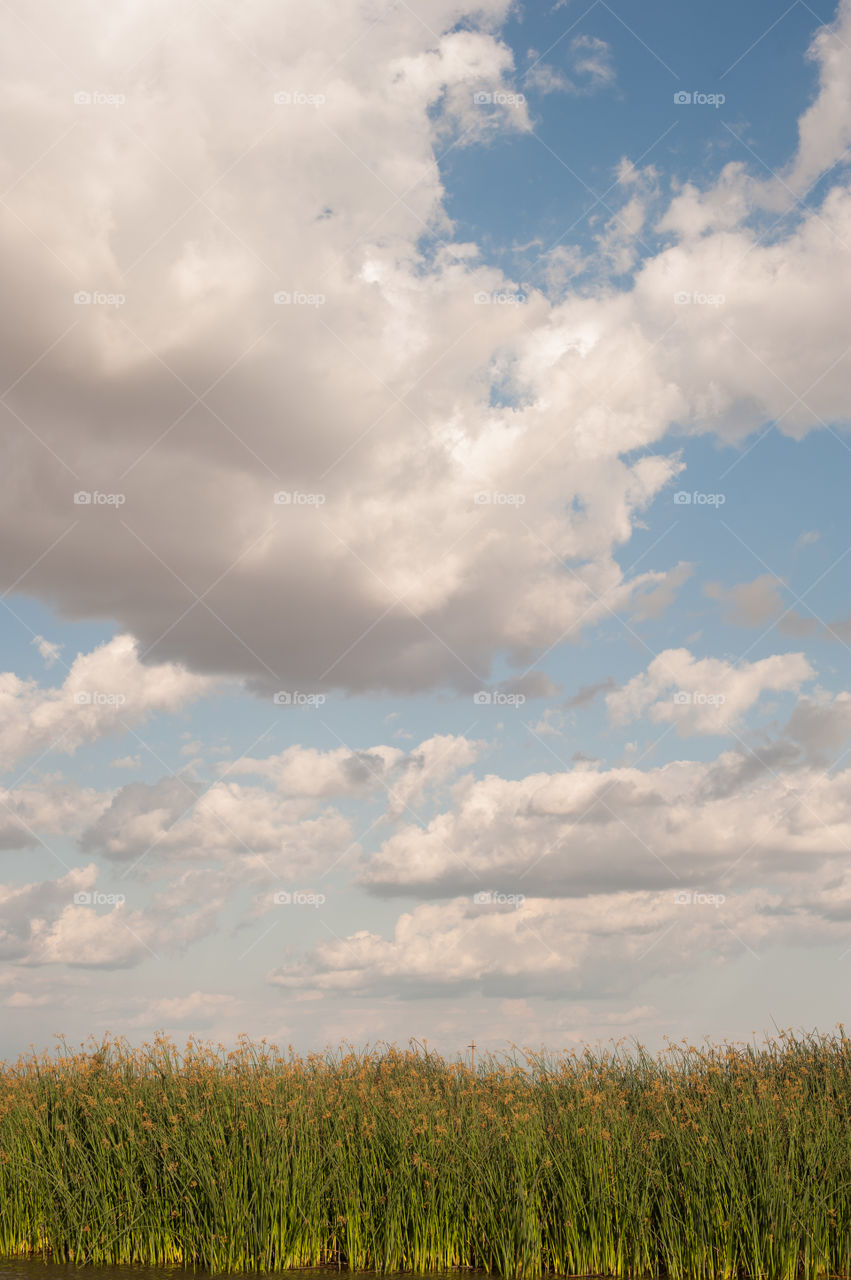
199	398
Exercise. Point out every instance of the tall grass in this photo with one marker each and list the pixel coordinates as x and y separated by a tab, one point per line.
701	1162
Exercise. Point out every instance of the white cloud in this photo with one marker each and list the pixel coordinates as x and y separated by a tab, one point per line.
254	831
704	695
48	649
588	947
399	579
104	692
307	772
51	807
759	811
71	921
824	130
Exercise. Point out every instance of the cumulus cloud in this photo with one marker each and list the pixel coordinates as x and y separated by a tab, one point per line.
104	692
587	947
52	807
762	810
278	453
71	921
307	772
704	695
251	829
197	399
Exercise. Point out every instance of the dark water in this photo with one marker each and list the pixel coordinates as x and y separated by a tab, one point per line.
27	1269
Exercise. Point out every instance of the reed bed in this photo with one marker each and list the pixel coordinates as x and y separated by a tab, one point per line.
730	1161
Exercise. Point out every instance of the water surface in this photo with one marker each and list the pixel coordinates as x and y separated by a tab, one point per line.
33	1269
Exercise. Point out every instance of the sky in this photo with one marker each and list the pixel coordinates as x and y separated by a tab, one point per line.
424	553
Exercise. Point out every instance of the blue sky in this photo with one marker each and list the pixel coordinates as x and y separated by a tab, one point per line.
525	716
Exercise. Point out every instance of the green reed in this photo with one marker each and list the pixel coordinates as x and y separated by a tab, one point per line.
730	1161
